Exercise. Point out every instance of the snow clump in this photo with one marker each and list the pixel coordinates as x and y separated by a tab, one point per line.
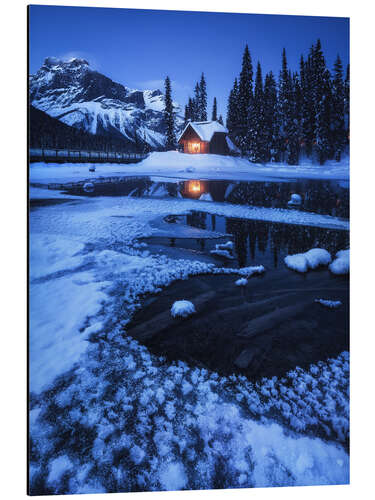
331	304
182	309
312	259
295	199
241	282
341	264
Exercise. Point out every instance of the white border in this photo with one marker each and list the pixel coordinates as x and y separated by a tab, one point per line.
13	251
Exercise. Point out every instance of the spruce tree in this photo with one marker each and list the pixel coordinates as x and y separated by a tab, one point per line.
186	115
169	119
214	111
245	95
322	95
202	103
271	118
338	110
232	110
256	136
196	103
347	102
220	120
308	106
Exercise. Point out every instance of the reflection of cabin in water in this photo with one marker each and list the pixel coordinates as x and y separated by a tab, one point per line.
207	138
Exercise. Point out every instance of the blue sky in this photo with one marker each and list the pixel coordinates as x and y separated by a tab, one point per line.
138	48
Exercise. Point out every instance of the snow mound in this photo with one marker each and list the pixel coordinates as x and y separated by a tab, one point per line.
331	304
173	477
229	245
312	259
318	257
341	264
205	197
222	253
88	187
241	282
182	309
295	199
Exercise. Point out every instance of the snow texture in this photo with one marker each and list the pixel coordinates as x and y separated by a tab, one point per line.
107	415
182	309
331	304
311	259
187	166
205	130
341	264
241	282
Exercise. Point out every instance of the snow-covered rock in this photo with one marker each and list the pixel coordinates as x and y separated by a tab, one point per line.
222	253
331	304
88	187
182	309
241	282
341	264
312	259
229	245
295	199
79	96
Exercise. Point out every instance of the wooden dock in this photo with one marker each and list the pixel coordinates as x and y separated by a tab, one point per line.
79	156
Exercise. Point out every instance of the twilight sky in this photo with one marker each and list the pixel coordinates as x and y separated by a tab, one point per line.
138	48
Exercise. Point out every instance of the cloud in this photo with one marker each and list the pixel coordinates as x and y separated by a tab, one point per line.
81	55
159	84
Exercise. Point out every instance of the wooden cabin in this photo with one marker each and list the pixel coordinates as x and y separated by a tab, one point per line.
206	138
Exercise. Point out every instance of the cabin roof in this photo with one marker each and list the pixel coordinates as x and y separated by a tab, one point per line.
205	130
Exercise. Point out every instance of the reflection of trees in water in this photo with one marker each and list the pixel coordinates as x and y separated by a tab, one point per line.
251	236
197	219
325	197
281	238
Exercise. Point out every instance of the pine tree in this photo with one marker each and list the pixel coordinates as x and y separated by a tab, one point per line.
271	118
186	115
169	119
338	110
308	107
232	110
289	132
196	103
214	111
347	101
190	108
323	103
220	120
256	136
202	102
245	95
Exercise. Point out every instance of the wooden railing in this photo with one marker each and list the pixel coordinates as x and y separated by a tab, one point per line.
76	156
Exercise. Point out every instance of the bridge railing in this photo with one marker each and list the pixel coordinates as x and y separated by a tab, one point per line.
76	154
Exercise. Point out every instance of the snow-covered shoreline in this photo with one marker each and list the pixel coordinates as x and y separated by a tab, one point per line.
183	166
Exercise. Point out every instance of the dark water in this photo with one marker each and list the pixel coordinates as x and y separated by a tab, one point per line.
320	196
292	329
255	242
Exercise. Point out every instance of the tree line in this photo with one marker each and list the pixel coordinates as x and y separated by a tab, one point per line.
305	112
195	110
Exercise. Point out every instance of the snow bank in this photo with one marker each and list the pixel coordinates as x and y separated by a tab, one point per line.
341	264
222	253
182	309
312	259
187	166
331	304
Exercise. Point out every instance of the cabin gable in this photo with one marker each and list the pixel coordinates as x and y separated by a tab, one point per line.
204	138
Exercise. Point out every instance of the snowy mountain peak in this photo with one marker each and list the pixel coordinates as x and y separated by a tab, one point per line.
71	91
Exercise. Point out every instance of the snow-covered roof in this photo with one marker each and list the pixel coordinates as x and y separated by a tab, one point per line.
205	130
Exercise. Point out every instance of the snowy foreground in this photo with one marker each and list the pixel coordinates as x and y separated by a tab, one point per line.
107	415
185	166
